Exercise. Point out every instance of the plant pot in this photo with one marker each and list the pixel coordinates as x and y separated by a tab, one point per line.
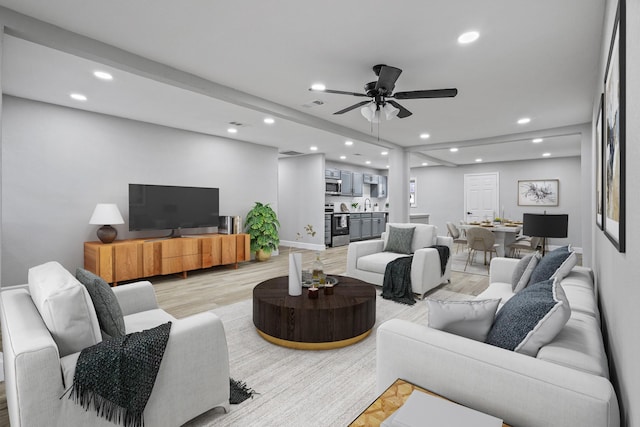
262	255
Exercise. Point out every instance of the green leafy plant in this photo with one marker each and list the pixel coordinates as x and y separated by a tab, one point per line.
354	205
262	226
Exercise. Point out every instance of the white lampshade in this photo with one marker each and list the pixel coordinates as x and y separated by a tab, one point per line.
390	111
368	111
106	214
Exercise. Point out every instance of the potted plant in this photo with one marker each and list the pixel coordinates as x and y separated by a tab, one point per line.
262	226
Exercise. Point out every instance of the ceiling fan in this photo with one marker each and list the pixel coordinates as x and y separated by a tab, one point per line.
382	96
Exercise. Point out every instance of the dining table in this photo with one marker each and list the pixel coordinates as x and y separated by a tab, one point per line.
505	234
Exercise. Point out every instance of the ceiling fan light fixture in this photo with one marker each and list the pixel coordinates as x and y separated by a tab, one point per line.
390	111
369	112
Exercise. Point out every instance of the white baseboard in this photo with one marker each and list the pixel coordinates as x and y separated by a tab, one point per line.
302	245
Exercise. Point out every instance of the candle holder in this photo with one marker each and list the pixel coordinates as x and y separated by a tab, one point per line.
328	289
313	292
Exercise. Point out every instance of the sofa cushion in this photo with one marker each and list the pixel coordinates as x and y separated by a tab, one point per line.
579	346
566	266
399	240
522	272
424	235
377	262
105	303
549	264
497	290
531	318
65	307
471	319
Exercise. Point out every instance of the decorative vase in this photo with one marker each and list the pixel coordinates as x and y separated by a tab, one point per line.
262	255
295	274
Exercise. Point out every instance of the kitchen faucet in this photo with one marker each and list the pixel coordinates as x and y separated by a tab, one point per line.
365	204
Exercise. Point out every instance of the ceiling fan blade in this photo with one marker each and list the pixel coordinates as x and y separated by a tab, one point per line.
387	78
339	92
353	107
403	111
435	93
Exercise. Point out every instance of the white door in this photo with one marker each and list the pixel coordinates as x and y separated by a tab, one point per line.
481	196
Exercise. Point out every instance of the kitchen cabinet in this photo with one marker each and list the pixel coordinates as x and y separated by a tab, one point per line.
370	178
380	190
367	231
332	173
356	189
378	224
355	226
346	178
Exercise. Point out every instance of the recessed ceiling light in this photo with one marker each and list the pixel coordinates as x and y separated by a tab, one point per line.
425	164
232	130
546	154
478	160
368	162
78	97
343	157
453	150
269	121
103	75
468	37
384	153
318	86
387	166
424	136
537	140
524	120
313	148
349	143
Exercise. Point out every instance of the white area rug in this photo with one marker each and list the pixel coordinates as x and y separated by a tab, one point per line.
304	388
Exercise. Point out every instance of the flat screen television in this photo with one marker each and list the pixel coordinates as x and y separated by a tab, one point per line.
166	207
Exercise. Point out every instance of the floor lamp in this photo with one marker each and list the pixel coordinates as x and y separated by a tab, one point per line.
545	226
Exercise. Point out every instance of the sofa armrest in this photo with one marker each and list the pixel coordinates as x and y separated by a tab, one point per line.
501	269
444	240
360	249
136	297
522	390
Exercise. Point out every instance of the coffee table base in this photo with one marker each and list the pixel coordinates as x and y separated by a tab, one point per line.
313	345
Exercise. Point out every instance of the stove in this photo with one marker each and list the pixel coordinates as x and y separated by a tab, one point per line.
339	226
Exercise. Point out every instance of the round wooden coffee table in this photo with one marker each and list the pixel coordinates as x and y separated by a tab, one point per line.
331	321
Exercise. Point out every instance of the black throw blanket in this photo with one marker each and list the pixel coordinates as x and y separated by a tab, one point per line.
444	253
116	376
397	281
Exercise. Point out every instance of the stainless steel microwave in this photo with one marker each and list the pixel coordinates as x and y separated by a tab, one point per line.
332	186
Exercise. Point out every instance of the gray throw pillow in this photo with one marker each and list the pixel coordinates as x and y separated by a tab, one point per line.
549	264
531	318
399	240
522	272
105	303
470	319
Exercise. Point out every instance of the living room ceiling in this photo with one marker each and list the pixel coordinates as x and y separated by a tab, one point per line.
532	59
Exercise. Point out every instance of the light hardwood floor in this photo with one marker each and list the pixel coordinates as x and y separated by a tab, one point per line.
219	286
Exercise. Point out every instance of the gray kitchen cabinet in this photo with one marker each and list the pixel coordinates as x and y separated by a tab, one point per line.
332	173
356	182
347	183
370	178
367	231
380	190
355	227
378	224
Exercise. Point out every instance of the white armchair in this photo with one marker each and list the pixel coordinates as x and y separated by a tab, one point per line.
367	260
193	376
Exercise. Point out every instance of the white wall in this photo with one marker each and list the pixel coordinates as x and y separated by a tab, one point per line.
301	198
617	273
440	191
57	163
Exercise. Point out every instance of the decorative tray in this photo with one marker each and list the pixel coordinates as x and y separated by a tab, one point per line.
307	282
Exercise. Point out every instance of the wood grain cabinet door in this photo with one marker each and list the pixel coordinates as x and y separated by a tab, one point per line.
126	261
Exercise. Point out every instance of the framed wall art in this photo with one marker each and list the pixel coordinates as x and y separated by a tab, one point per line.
599	147
538	192
613	157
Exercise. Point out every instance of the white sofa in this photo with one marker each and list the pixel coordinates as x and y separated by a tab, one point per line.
367	260
193	376
565	385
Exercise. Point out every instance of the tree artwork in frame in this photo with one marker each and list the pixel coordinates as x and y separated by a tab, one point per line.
538	192
613	168
599	178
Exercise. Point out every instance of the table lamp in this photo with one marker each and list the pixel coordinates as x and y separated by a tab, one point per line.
106	213
543	225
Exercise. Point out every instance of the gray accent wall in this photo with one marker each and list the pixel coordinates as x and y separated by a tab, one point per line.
58	162
440	191
617	273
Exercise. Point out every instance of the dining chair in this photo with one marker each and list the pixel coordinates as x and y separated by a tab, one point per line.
524	244
458	237
480	239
